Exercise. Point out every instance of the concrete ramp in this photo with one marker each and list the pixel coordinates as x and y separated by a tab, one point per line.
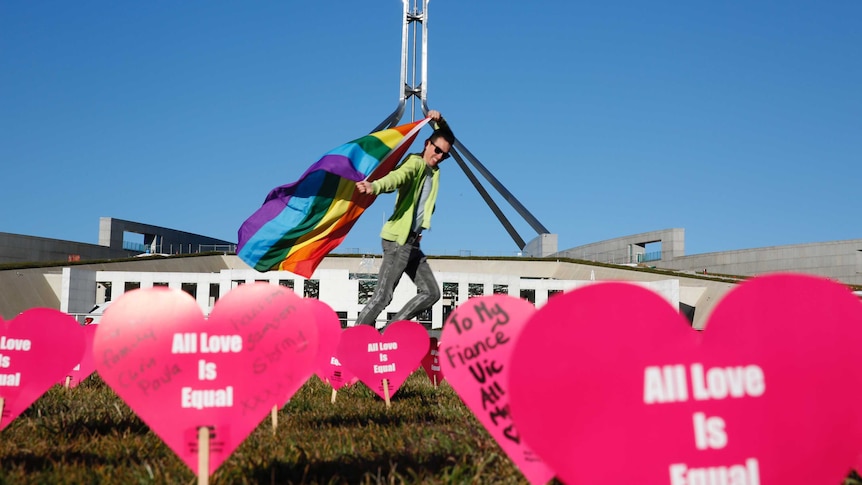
28	288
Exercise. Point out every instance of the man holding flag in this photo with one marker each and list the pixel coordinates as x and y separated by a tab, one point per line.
417	181
301	222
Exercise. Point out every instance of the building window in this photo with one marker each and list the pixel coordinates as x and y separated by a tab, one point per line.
366	289
131	285
450	299
450	292
214	294
475	289
287	283
311	289
342	317
529	295
553	293
501	289
159	283
191	289
425	317
103	291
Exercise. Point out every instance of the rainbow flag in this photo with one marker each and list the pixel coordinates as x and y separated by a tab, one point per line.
300	223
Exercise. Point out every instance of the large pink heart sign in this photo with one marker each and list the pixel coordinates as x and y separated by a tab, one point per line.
475	348
609	378
37	349
431	362
87	365
181	372
392	356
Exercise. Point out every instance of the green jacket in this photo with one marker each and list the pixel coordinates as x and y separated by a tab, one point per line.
407	179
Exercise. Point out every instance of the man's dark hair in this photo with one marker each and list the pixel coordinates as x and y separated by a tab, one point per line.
443	132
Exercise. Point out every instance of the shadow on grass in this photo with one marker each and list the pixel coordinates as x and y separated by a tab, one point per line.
346	471
32	463
111	428
79	423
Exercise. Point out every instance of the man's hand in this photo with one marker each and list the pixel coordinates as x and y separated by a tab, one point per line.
364	187
435	115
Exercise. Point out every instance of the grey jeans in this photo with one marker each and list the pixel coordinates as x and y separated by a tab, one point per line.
397	260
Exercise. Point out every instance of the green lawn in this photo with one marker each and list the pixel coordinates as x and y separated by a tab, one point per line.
88	435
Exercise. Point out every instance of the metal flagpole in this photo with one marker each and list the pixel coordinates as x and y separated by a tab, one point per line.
411	90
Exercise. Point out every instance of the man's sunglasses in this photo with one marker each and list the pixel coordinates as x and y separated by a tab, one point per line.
439	151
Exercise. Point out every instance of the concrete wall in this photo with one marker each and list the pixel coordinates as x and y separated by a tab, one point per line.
77	290
16	248
165	240
23	289
341	293
541	246
625	250
838	260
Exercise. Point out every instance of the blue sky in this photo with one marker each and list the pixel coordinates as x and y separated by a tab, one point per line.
739	121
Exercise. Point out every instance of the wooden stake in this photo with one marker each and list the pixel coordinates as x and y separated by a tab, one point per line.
203	455
435	380
386	392
2	404
334	392
68	382
274	418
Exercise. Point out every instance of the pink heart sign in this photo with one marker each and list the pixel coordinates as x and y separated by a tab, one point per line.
37	349
610	377
431	362
337	375
476	346
393	356
328	334
87	365
181	372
